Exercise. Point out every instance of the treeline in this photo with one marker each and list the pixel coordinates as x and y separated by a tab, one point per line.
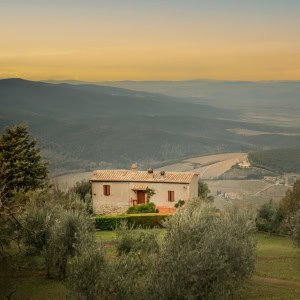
282	217
277	160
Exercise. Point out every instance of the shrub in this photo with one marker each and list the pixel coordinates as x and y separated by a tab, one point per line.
142	220
142	209
55	229
269	218
296	229
138	241
86	273
179	203
206	254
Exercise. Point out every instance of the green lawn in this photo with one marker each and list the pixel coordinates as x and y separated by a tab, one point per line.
277	273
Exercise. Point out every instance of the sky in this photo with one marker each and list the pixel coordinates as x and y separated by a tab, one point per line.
97	40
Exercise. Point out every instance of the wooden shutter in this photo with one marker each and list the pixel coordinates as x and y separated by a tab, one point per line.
106	190
171	196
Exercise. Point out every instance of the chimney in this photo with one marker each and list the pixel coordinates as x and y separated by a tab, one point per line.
134	167
150	173
162	173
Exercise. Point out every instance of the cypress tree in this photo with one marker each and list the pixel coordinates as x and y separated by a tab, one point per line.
21	165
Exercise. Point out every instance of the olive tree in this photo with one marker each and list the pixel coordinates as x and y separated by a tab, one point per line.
296	228
86	272
206	254
55	229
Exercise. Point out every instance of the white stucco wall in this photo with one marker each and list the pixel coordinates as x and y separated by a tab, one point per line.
194	187
118	198
121	194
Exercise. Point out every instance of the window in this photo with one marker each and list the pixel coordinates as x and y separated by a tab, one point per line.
106	190
171	196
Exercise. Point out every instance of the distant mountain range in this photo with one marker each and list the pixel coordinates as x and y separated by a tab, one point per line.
87	126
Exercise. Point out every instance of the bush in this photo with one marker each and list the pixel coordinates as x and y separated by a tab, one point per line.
86	273
296	229
206	254
269	218
137	220
179	203
137	241
142	209
54	226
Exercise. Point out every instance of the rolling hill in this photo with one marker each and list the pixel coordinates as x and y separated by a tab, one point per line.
85	126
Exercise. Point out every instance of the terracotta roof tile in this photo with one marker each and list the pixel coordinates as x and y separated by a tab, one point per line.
141	176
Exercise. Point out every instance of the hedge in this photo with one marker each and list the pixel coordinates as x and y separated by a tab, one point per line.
136	220
142	209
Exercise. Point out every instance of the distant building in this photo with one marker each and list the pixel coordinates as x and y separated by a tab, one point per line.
271	179
245	164
114	191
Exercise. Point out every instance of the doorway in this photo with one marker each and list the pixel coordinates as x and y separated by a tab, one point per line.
141	195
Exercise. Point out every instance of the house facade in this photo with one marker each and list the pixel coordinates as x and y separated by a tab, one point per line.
114	191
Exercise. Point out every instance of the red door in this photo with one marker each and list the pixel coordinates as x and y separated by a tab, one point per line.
140	197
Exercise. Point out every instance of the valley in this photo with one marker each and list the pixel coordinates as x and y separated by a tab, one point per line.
212	169
86	126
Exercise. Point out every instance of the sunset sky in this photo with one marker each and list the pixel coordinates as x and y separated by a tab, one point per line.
96	40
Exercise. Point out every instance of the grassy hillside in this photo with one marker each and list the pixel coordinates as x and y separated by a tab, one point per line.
82	127
277	273
277	160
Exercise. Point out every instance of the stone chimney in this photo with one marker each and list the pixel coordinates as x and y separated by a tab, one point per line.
134	167
150	173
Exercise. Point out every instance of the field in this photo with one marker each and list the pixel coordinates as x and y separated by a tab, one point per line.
209	166
250	193
277	273
67	181
248	132
242	192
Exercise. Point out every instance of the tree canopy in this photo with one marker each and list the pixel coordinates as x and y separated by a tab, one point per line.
290	204
21	165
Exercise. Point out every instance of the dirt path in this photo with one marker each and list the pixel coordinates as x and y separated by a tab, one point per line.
276	281
264	189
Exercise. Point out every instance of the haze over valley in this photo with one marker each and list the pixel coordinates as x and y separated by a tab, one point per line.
86	126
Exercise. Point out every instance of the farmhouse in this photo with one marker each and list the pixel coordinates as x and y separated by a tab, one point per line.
114	191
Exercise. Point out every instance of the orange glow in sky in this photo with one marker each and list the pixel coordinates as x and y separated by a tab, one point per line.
150	40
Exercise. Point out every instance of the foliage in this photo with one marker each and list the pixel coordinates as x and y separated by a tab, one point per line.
296	228
269	217
180	203
291	202
21	165
149	193
276	160
143	220
135	240
84	190
203	191
86	272
55	230
205	254
142	208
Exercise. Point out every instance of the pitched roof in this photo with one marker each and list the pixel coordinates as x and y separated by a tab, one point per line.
141	176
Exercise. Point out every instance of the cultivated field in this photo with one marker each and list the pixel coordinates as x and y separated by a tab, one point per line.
248	132
64	182
250	193
208	167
